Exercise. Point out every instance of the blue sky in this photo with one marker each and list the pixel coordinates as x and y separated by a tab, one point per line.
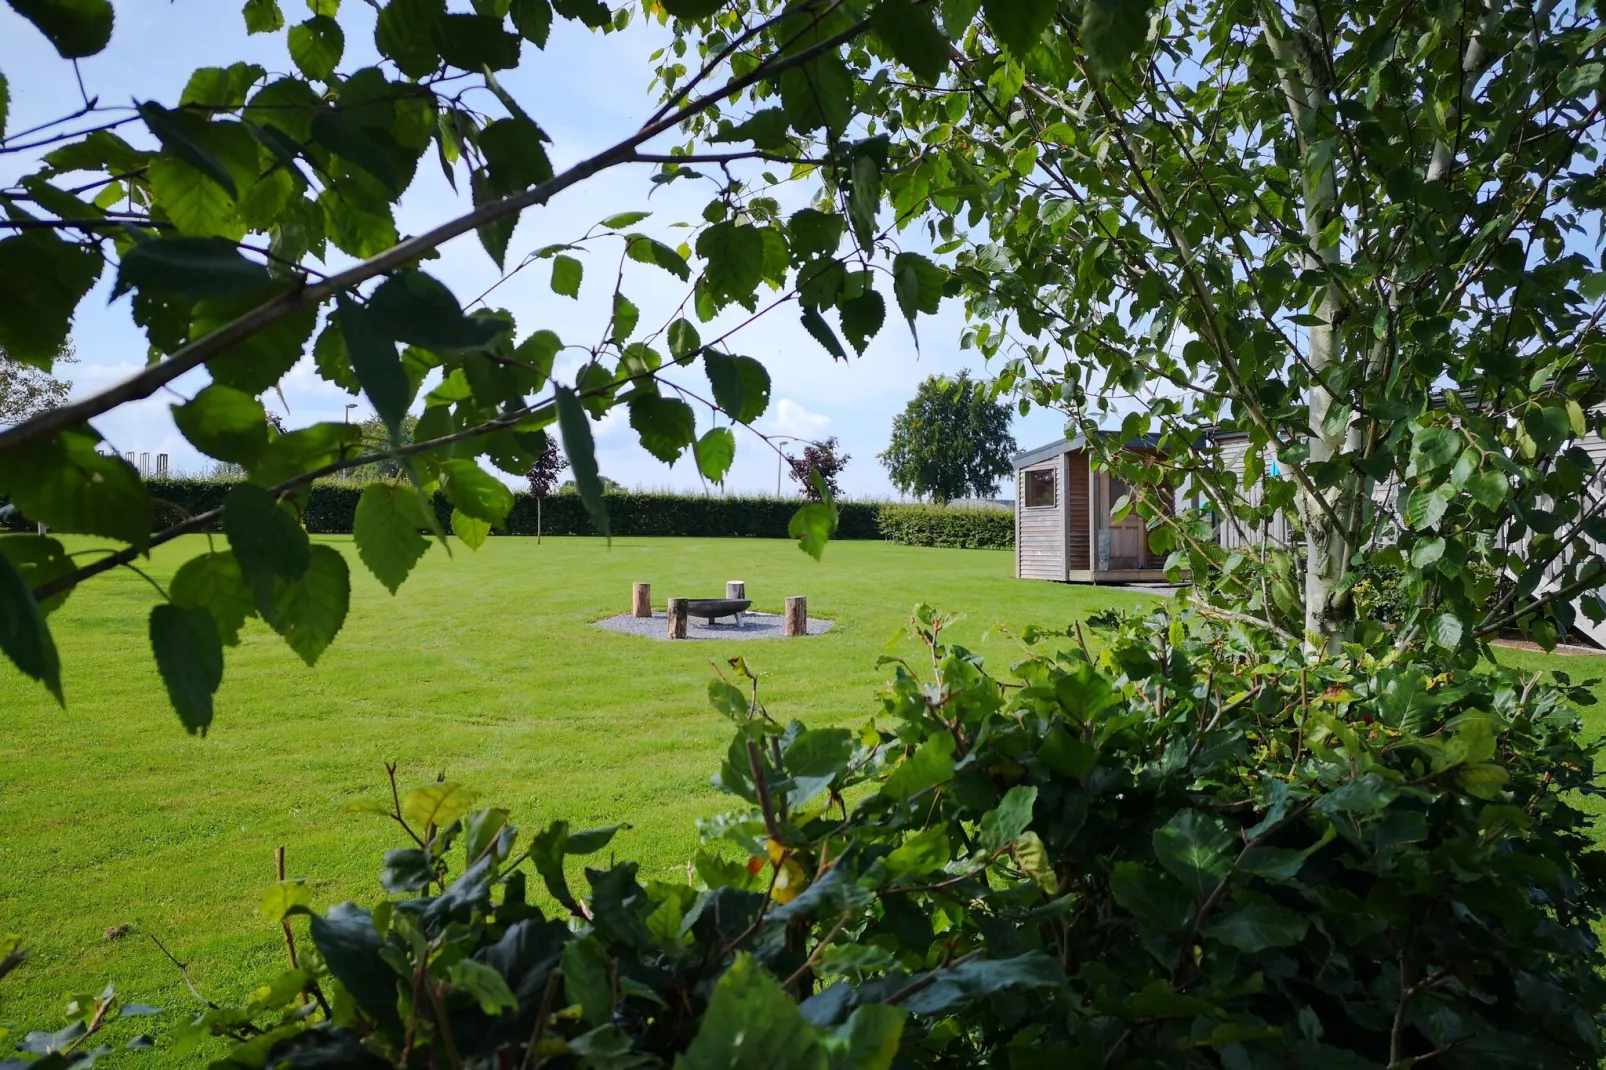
588	91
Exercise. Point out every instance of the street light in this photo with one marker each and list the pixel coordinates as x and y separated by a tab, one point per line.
349	406
779	457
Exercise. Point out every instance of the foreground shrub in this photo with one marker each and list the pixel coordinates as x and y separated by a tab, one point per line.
1192	849
933	525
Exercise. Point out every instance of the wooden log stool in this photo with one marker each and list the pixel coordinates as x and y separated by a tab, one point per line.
797	617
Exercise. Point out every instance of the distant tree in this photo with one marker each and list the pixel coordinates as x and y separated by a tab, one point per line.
821	457
952	441
543	477
376	439
27	391
609	486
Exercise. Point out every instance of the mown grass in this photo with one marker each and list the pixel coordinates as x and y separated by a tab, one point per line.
485	666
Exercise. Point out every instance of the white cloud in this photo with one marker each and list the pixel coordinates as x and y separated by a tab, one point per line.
790	418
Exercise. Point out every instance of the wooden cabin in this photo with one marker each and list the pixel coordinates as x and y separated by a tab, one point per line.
1063	528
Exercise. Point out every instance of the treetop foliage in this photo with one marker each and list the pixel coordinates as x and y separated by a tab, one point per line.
951	441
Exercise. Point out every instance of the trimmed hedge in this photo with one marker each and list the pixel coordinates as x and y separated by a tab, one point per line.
330	509
932	525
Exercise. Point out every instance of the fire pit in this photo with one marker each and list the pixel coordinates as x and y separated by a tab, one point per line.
711	609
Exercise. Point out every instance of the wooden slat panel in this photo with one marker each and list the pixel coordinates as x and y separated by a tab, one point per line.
1079	549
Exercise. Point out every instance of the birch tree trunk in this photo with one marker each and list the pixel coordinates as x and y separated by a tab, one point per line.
1328	541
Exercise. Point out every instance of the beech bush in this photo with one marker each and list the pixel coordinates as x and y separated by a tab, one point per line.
1188	848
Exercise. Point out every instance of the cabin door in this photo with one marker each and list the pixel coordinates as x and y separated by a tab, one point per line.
1128	545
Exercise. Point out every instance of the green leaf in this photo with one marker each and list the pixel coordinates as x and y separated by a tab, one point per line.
5	104
566	275
1445	630
495	234
1489	488
196	268
917	283
77	28
735	256
189	655
406	870
1195	848
1019	24
351	946
1257	925
741	385
359	146
475	492
931	764
819	94
1066	754
666	425
1032	857
814	233
625	317
586	971
579	448
488	987
24	635
406	33
908	32
752	1024
316	47
225	423
513	152
1003	825
42	279
39	560
645	250
971	982
868	1040
693	9
812	526
64	483
284	899
1152	896
178	141
1425	508
767	129
262	16
215	582
533	19
471	529
714	453
374	361
476	42
265	537
310	610
815	324
684	342
386	530
1435	447
436	804
862	318
256	363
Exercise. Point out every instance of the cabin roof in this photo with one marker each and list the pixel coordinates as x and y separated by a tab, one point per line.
1067	445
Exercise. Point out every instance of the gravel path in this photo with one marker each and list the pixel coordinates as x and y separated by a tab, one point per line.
754	626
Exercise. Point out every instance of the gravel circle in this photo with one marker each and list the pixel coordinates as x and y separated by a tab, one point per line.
753	626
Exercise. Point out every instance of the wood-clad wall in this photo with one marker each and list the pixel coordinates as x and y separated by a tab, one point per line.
1078	539
1040	530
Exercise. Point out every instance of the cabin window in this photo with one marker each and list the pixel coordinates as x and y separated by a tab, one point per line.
1040	488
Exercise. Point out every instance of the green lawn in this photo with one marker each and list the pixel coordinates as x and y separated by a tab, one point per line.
484	666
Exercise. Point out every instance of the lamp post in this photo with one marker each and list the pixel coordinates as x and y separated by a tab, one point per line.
349	406
779	458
